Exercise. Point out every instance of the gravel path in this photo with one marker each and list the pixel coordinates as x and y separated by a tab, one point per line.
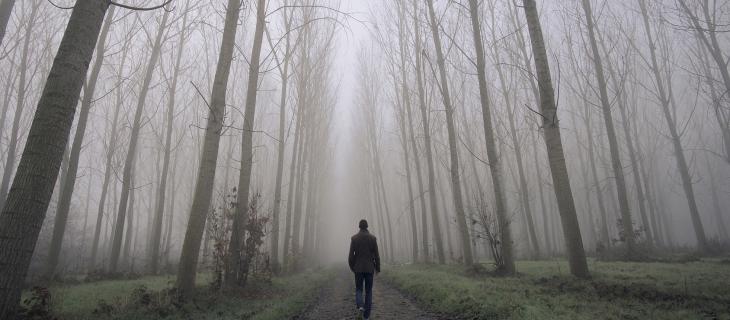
337	301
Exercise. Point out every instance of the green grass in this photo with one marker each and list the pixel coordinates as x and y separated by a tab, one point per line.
545	290
70	301
282	298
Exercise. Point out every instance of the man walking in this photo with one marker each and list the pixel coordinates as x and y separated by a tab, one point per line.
364	261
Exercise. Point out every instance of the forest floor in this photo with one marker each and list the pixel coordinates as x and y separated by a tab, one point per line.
545	290
541	290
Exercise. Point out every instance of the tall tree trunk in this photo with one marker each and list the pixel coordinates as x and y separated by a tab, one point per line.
284	73
479	192
301	183
640	198
544	208
208	156
454	158
618	172
419	179
170	216
407	165
406	100
133	141
586	180
604	233
380	215
656	226
293	180
10	156
530	78
524	193
109	158
129	230
23	212
309	210
716	207
6	8
69	181
109	227
435	220
662	85
240	219
447	219
84	231
619	84
553	142
154	253
380	184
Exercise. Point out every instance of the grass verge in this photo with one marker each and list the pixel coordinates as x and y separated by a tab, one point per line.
545	290
153	298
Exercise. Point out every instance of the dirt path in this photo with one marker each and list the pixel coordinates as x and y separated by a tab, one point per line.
337	301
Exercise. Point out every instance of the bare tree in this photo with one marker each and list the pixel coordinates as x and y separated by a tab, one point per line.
510	107
627	232
294	178
581	89
495	163
111	151
554	145
663	87
618	80
240	218
454	158
285	75
154	253
133	142
208	156
23	212
369	99
69	181
406	101
435	221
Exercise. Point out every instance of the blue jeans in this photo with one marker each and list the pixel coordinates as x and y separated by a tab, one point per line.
366	279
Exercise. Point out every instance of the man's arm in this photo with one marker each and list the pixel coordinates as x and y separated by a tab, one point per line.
351	256
377	256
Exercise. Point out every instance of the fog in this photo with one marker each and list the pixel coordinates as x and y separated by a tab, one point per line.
644	132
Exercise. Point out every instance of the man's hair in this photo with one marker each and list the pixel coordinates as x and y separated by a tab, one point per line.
363	224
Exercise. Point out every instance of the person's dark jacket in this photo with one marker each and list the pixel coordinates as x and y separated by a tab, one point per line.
364	256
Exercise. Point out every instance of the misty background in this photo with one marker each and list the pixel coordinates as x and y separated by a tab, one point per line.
354	83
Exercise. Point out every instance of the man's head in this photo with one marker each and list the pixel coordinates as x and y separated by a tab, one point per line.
363	224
